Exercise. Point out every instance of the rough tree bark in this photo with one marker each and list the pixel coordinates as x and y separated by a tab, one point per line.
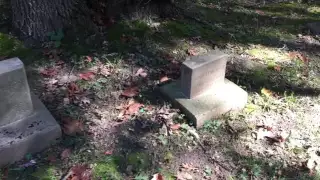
34	19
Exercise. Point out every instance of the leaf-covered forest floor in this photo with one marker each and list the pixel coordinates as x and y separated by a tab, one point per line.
103	90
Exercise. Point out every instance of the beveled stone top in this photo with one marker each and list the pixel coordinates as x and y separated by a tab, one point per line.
15	99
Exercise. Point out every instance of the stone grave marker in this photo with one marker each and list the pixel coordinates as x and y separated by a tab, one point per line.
202	92
26	126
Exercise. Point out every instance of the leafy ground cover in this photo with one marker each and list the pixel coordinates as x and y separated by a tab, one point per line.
102	89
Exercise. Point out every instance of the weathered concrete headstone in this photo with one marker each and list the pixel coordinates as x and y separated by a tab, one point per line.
26	126
202	92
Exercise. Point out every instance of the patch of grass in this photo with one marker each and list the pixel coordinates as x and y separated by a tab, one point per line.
96	86
212	126
163	139
250	108
184	29
127	35
167	174
181	29
278	33
139	161
268	54
45	173
134	28
260	76
141	177
12	47
290	98
243	24
107	169
314	9
297	10
255	168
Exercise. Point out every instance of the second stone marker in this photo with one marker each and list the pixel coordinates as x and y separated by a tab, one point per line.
202	92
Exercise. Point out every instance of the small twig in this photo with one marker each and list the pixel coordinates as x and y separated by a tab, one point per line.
72	69
211	158
71	72
67	175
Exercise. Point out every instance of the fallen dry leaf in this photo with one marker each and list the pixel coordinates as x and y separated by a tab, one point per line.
277	68
122	114
72	127
260	12
66	153
131	108
262	133
188	167
303	58
130	92
88	59
157	177
134	108
183	176
52	82
108	153
141	72
87	76
265	133
73	88
49	72
104	70
192	52
267	92
164	79
175	126
79	172
295	54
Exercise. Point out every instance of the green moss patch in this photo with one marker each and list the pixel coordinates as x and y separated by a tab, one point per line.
139	161
107	169
314	9
11	47
268	54
45	173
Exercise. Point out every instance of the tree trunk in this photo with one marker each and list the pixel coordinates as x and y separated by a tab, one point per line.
34	19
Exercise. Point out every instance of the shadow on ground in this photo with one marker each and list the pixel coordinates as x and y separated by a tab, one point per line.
142	145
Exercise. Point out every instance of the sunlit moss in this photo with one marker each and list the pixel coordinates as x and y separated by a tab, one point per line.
314	9
268	54
45	173
10	46
107	169
139	161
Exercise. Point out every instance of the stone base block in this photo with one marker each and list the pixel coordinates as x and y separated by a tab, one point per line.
314	27
29	135
211	104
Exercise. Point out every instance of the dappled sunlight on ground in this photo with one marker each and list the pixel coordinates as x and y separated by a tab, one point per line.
103	91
